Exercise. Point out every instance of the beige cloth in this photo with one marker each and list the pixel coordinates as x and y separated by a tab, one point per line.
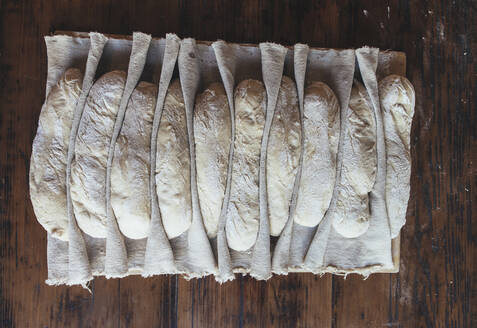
319	249
199	259
159	258
273	59
329	251
226	61
116	261
281	254
79	270
336	69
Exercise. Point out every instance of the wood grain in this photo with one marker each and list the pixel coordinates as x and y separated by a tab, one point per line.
436	284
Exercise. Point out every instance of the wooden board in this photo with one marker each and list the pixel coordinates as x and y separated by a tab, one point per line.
436	284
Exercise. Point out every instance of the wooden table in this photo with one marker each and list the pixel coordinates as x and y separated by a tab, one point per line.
436	286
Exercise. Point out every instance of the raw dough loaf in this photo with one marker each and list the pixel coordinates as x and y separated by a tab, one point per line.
173	164
243	209
397	104
88	168
358	172
282	155
48	158
321	126
130	198
212	132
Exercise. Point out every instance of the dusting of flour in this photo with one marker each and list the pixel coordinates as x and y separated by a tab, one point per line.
173	164
130	197
212	134
243	209
321	126
397	105
49	152
88	168
282	155
358	172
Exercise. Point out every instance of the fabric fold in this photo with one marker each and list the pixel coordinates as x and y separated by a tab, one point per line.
79	270
63	52
159	258
116	261
199	256
336	69
247	67
372	250
226	59
281	254
57	260
318	249
273	59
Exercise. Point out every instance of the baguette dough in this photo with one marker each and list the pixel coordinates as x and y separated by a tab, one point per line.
88	168
358	171
282	155
130	197
397	104
321	126
243	209
173	164
212	132
49	152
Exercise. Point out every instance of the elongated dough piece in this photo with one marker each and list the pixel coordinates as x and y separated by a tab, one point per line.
282	155
88	168
321	126
243	209
397	104
212	132
358	172
173	164
48	158
130	197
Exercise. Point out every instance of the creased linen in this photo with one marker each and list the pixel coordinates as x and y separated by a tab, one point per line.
79	270
273	59
372	250
318	249
159	258
281	253
226	60
336	69
116	263
199	256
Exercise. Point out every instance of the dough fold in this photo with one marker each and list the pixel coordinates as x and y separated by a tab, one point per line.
49	153
358	172
212	134
397	98
173	164
282	155
321	125
243	209
88	168
130	197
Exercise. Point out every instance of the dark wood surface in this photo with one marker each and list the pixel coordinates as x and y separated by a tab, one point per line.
436	286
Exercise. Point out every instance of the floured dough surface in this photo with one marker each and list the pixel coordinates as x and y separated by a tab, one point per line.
88	169
173	164
358	172
397	104
283	155
243	209
321	125
49	153
212	132
130	197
